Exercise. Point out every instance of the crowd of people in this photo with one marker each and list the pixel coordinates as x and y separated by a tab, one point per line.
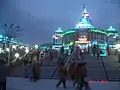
97	51
34	59
78	74
77	70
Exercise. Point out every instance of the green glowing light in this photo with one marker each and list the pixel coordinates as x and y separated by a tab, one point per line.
112	32
98	31
93	30
105	32
116	34
70	44
69	32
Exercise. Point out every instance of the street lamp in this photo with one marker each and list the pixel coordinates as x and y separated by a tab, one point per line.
7	49
36	46
21	47
13	46
26	50
2	51
17	55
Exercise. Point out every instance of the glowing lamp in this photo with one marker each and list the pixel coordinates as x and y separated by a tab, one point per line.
13	46
82	50
7	49
36	46
17	55
26	50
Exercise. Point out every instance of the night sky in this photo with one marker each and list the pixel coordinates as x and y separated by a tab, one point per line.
40	18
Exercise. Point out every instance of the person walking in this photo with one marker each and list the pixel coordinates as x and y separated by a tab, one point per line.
98	52
25	60
37	68
77	75
94	50
83	77
63	75
34	75
51	56
72	71
29	71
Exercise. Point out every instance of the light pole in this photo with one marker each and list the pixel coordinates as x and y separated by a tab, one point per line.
8	58
10	52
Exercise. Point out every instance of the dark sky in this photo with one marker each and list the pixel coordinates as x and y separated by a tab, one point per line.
40	18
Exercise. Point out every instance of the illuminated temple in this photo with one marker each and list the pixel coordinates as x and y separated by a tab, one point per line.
85	35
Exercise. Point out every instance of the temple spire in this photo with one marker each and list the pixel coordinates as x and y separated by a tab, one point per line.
84	11
85	21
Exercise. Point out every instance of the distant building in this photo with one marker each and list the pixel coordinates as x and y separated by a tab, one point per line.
85	35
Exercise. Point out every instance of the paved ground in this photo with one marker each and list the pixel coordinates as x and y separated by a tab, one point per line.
96	70
111	64
48	84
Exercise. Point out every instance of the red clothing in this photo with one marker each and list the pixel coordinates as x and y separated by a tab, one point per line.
63	71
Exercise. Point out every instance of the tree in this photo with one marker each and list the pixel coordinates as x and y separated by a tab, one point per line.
11	32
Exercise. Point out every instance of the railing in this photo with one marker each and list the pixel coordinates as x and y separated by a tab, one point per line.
113	75
66	64
106	74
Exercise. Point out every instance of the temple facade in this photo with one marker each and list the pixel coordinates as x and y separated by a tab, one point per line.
85	35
